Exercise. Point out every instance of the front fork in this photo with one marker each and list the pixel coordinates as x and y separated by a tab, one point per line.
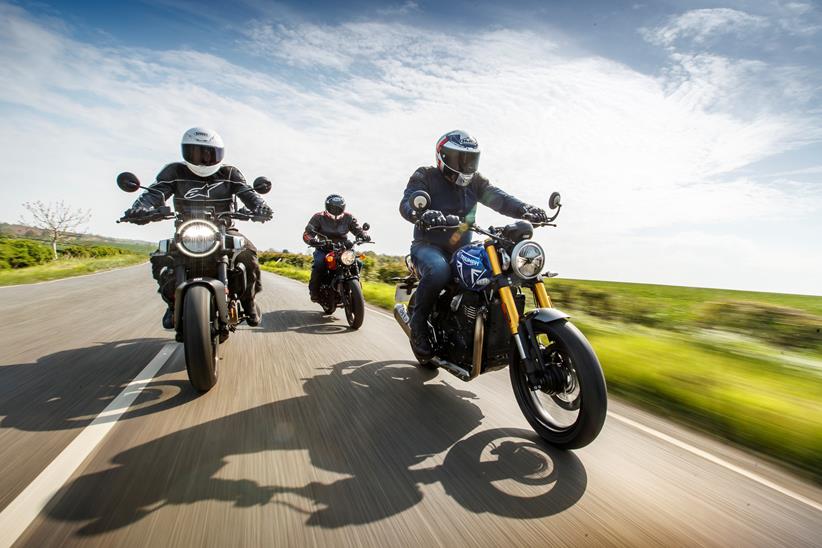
534	365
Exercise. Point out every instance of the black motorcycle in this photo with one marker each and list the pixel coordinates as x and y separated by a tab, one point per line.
340	284
208	279
479	325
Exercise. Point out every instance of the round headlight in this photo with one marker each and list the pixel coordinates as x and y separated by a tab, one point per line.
348	257
198	238
527	259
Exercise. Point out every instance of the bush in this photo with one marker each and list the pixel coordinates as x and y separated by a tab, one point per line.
776	324
17	253
294	259
90	251
391	270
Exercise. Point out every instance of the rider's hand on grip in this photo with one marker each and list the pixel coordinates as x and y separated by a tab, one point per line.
433	218
264	212
452	220
534	214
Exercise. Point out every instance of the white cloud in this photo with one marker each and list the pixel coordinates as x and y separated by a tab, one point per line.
634	155
702	25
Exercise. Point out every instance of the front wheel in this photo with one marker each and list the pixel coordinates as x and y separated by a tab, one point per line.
354	304
200	338
572	417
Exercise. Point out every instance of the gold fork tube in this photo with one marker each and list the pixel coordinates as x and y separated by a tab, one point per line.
509	307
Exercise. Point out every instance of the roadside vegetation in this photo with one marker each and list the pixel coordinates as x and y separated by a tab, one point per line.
744	366
28	261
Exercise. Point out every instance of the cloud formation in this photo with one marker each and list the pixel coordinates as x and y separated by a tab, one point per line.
355	107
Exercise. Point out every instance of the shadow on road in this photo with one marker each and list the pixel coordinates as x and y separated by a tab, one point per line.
376	422
69	389
313	322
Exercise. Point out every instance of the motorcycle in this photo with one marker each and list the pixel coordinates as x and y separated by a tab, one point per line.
208	279
479	325
341	283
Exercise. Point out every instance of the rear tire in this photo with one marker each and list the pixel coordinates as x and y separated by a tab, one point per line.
354	303
200	340
573	419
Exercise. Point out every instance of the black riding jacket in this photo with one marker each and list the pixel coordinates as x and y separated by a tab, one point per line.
323	223
453	199
191	191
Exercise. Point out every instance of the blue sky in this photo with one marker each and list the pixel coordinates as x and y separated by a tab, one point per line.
686	137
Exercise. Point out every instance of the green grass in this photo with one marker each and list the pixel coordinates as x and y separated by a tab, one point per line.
65	268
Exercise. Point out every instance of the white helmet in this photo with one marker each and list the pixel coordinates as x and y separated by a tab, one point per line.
202	151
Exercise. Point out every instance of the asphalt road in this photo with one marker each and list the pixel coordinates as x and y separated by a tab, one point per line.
317	435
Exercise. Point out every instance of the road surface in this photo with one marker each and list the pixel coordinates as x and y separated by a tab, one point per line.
318	435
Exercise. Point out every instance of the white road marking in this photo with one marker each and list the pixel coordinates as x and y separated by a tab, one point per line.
75	277
718	461
682	445
17	516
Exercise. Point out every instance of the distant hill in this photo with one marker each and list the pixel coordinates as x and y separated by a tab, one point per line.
32	233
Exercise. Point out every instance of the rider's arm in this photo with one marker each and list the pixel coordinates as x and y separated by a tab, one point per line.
312	228
354	227
497	199
415	183
164	183
247	195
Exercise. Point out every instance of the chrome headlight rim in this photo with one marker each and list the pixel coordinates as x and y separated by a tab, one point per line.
516	254
197	254
348	257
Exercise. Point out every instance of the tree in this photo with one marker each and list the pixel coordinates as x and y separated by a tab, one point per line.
58	219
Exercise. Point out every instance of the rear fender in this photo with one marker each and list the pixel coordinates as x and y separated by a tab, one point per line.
216	288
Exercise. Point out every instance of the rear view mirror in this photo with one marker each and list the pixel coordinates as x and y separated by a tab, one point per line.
419	201
555	200
366	226
128	182
262	185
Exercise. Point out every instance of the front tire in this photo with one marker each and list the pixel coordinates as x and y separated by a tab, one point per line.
573	418
200	339
354	303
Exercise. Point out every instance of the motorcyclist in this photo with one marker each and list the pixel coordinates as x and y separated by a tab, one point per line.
455	187
334	223
202	179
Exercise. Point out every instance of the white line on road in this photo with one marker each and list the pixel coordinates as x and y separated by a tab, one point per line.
17	516
718	461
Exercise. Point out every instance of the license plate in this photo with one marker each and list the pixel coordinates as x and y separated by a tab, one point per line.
400	295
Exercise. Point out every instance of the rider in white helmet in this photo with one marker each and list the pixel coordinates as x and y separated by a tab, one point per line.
203	180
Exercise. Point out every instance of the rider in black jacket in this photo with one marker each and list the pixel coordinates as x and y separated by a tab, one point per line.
202	179
332	224
455	188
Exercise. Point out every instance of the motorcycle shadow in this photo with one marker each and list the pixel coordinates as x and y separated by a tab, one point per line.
378	423
68	389
313	322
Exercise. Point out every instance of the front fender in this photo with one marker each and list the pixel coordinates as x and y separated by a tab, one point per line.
545	315
215	286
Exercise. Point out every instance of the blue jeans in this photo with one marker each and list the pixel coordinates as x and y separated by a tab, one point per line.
317	270
434	269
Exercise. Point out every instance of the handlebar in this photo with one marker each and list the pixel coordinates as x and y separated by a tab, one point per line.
164	213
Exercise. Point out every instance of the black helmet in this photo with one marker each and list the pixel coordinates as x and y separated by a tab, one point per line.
335	205
458	157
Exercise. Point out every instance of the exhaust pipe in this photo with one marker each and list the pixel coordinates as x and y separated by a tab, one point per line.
401	315
479	339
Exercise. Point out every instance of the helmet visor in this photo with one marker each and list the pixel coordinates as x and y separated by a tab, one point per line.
201	155
461	161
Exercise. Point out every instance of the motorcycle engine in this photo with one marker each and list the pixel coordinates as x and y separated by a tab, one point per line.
457	317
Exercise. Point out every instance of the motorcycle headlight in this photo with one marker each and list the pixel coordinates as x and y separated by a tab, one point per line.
348	257
198	238
527	259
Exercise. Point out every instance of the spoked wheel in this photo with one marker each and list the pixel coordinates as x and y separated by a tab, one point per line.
572	416
354	304
200	338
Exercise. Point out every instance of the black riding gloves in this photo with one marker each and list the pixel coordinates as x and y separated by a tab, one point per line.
433	217
263	211
534	214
